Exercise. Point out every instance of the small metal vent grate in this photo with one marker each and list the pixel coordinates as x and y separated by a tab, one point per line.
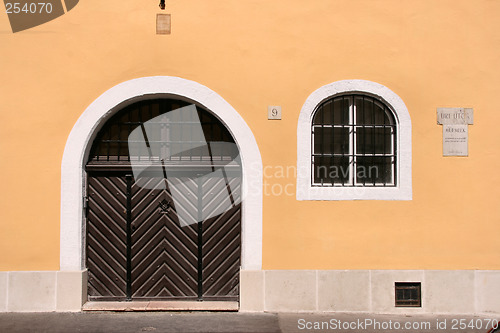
408	294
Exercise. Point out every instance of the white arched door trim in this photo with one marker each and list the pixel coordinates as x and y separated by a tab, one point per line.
82	135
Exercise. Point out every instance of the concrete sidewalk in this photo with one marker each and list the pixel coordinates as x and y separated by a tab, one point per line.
155	322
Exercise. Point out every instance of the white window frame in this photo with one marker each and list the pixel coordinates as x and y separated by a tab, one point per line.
403	188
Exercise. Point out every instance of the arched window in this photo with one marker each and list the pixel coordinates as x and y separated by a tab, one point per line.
354	143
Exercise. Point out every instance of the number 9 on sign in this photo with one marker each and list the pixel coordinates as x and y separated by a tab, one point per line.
274	112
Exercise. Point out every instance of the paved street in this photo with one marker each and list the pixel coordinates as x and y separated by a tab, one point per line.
155	322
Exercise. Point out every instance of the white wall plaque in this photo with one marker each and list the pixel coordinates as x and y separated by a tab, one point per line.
455	116
455	123
455	140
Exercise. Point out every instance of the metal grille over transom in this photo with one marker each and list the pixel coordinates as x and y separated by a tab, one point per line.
111	147
161	233
353	142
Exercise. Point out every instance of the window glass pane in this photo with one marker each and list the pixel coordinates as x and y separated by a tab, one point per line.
371	170
341	111
364	111
333	112
318	115
331	140
371	112
379	115
331	170
327	116
370	140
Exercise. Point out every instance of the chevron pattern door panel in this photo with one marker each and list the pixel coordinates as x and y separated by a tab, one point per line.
107	237
147	240
221	238
164	254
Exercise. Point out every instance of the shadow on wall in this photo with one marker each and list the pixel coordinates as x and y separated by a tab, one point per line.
25	14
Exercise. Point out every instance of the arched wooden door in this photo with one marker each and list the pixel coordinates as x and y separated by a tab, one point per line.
163	213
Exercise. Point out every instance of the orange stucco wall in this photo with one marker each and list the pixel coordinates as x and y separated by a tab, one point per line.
432	53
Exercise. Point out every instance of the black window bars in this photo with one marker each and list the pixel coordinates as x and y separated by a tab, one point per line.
353	142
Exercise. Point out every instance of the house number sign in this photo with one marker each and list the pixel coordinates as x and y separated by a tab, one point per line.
274	112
